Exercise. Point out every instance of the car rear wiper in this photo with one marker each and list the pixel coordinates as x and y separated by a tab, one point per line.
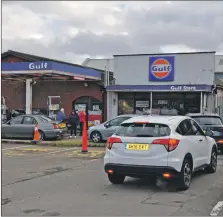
144	135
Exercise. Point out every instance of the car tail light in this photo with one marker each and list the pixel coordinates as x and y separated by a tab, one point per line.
55	126
111	141
170	144
220	141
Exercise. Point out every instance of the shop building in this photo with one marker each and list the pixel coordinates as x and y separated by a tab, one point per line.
162	84
219	83
33	83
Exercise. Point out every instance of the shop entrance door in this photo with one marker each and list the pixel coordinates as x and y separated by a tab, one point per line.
82	107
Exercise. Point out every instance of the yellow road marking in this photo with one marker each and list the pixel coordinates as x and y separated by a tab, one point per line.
11	153
90	154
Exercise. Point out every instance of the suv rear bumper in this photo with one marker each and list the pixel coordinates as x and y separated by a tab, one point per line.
139	170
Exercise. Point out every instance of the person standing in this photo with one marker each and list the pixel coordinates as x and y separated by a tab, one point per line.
61	116
73	121
82	119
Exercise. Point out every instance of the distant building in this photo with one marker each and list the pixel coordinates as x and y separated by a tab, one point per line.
102	64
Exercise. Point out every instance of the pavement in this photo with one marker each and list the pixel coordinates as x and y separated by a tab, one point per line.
51	181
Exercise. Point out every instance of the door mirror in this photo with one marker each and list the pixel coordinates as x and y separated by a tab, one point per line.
107	125
9	123
209	132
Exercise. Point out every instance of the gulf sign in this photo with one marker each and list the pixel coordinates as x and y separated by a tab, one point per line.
161	68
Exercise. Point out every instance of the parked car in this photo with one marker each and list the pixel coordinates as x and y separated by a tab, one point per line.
22	127
212	122
102	131
171	147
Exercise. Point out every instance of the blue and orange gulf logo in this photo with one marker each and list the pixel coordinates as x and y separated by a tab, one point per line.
161	68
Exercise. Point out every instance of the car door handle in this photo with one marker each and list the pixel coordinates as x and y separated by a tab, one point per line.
200	140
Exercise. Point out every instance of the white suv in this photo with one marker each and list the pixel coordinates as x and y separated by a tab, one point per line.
164	146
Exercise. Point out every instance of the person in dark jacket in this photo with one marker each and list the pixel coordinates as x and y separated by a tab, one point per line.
73	121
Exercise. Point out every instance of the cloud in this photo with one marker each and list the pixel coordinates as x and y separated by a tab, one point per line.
72	31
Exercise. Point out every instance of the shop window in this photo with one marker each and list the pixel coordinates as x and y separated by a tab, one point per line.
125	106
142	103
125	103
175	103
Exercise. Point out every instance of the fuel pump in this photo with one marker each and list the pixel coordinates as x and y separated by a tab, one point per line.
53	106
3	110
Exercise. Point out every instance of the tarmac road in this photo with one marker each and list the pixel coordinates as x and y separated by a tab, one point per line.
59	181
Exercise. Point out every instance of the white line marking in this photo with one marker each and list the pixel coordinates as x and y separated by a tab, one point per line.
217	209
16	147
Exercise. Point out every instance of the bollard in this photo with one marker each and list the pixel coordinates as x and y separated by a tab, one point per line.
84	139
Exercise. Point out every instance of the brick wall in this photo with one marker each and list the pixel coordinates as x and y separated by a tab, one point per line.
15	93
67	90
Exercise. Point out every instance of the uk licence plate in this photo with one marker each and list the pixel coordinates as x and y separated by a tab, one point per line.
62	125
138	147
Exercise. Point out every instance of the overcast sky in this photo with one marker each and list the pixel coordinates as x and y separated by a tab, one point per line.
73	31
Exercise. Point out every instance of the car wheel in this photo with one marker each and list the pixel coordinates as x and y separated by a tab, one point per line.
96	136
186	174
212	167
116	179
41	135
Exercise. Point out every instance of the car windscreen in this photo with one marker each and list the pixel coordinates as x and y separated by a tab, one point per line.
208	120
143	130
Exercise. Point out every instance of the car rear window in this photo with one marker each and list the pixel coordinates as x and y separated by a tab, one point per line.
143	130
44	120
208	120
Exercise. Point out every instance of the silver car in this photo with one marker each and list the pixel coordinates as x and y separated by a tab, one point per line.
22	127
102	131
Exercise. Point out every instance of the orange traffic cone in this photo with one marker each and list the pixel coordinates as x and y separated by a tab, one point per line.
36	134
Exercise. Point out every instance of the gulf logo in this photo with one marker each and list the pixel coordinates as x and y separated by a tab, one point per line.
161	68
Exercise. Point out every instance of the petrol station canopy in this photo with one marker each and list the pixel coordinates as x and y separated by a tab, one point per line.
48	70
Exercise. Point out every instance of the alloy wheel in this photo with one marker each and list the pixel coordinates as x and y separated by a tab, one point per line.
214	160
96	137
187	174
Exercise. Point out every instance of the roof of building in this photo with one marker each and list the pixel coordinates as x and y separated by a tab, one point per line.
34	58
102	64
153	54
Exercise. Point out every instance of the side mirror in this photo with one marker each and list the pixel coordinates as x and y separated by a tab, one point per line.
107	125
209	132
9	123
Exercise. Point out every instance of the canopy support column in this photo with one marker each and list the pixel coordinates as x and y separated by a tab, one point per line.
28	96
